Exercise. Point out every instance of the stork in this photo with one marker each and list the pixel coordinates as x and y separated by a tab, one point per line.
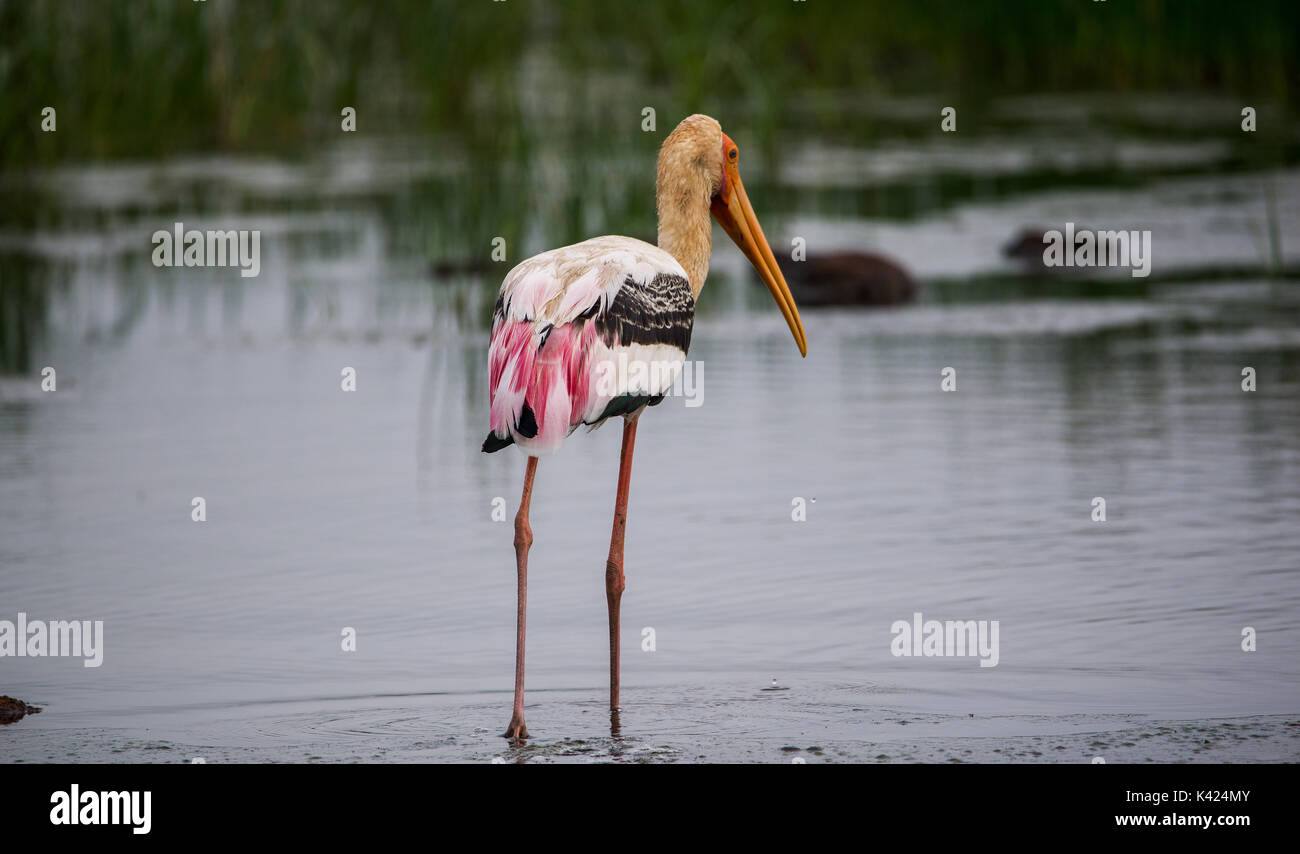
601	329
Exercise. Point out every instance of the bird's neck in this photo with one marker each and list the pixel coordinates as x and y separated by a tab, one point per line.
685	229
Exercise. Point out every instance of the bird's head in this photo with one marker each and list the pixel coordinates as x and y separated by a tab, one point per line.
697	154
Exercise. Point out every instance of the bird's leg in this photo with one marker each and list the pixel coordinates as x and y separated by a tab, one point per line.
523	539
614	578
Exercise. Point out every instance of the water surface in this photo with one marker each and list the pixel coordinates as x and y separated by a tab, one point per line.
373	509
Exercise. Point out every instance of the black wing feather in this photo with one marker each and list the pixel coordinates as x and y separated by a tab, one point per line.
661	311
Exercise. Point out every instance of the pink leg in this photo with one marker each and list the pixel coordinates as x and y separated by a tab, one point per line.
615	581
523	539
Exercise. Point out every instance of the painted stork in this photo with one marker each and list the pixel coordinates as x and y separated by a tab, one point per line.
601	328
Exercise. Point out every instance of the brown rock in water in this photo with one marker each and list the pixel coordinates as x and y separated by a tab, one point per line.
1027	245
849	278
13	710
1027	248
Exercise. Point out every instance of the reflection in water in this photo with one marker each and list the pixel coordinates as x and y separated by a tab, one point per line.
372	509
24	305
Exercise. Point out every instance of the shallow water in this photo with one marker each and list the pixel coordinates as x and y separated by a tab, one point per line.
373	509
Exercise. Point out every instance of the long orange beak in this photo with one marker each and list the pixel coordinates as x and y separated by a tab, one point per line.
732	210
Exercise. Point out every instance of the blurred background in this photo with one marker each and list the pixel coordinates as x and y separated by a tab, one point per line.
526	121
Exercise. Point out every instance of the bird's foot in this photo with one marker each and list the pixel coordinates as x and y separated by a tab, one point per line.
516	731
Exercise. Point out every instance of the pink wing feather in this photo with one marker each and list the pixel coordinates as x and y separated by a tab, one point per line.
545	357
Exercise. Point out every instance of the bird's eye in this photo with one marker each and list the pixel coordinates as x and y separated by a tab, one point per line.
732	155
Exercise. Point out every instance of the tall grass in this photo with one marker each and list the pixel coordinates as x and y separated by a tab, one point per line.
146	78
